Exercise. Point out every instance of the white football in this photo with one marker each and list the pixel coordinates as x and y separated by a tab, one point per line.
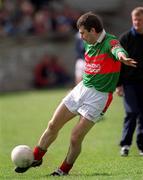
22	156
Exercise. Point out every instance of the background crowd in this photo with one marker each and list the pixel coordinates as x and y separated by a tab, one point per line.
29	17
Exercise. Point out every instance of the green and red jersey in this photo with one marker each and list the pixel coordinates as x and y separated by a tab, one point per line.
102	67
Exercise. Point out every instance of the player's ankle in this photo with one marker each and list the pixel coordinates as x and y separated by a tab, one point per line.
66	167
38	153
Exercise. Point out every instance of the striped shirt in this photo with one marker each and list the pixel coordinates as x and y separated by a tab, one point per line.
102	67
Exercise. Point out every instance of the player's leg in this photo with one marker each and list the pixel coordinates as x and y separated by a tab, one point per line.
60	117
93	105
77	136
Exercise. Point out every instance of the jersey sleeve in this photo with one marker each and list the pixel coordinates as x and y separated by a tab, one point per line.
116	48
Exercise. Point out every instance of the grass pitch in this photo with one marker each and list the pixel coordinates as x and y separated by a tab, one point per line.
23	118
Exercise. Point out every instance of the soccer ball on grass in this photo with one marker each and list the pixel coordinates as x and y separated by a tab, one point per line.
22	156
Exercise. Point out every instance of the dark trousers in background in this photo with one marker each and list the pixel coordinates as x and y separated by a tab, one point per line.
133	103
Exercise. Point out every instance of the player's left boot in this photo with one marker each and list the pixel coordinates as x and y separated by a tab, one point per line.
34	164
58	172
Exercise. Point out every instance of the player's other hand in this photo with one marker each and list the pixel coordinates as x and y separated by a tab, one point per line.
120	91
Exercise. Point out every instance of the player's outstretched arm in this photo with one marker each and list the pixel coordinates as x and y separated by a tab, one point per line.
128	61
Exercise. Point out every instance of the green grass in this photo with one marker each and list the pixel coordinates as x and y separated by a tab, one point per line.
23	118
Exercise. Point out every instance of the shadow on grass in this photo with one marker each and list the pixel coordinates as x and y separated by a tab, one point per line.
87	175
92	174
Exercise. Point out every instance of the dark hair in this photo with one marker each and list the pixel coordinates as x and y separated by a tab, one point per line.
90	20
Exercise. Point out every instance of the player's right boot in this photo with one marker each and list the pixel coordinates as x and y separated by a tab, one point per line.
58	172
34	164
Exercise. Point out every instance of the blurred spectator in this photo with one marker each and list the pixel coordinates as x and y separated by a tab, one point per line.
63	18
50	73
27	12
38	4
72	15
79	65
62	23
26	17
41	24
17	17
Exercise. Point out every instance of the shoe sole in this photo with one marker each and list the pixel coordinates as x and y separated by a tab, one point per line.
22	170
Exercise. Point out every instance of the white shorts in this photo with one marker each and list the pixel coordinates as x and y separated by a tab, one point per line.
87	102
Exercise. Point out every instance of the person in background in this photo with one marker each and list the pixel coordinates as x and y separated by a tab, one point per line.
50	72
90	98
130	84
80	63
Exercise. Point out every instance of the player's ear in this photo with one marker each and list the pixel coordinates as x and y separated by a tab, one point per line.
92	30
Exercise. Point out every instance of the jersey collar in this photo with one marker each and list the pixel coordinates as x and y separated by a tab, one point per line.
101	37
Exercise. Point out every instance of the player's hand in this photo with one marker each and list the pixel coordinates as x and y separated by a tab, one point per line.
120	91
129	62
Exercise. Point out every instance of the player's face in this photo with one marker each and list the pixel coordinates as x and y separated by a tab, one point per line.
138	22
89	37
